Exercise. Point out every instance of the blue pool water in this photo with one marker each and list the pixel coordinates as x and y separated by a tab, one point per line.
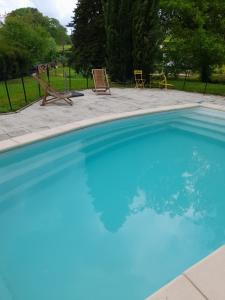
113	211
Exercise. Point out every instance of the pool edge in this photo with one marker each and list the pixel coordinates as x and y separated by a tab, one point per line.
202	281
20	141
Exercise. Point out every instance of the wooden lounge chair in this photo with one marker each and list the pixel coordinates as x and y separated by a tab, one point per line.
139	80
49	91
101	82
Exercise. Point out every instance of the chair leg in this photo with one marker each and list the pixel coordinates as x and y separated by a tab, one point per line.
68	100
44	101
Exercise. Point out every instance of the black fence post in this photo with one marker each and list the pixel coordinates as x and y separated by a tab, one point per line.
7	91
24	90
48	74
185	80
206	85
69	78
38	84
39	90
87	82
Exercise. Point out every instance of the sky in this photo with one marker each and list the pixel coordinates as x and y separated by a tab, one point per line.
59	9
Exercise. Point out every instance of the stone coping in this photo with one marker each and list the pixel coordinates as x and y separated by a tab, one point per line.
203	281
20	141
29	138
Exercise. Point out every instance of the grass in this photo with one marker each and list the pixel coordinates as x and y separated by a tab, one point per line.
66	48
199	87
78	83
57	80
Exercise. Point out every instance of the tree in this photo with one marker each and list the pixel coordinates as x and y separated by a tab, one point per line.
12	61
28	38
118	23
132	30
35	18
196	27
146	34
58	32
121	33
88	37
36	42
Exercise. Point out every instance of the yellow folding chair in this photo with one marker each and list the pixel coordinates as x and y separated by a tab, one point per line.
139	80
160	80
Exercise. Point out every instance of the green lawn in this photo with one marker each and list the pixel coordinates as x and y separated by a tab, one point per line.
66	48
199	87
78	83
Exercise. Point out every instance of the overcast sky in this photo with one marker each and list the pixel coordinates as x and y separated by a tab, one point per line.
59	9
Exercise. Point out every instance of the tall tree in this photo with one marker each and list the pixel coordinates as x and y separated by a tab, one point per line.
35	41
130	38
132	29
118	20
34	18
58	32
12	60
88	36
196	33
27	38
146	34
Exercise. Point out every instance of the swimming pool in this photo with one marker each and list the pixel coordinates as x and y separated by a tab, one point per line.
113	211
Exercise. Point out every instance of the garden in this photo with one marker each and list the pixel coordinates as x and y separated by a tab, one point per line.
184	40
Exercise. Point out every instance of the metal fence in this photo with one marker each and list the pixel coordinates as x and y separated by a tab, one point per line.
19	92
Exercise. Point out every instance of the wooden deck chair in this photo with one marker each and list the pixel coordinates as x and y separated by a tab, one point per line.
101	82
49	91
139	80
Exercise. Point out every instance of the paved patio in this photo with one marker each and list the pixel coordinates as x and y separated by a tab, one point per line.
37	118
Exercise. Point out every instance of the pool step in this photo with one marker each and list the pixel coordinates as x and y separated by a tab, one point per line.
49	156
17	177
215	135
114	143
207	123
72	143
69	149
93	136
209	114
15	174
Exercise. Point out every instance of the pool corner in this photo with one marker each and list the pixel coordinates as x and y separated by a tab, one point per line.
204	280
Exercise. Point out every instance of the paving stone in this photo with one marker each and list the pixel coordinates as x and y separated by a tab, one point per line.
178	289
36	118
4	136
17	132
209	275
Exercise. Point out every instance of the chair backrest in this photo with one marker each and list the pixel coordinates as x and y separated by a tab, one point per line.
42	68
44	84
138	74
100	79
